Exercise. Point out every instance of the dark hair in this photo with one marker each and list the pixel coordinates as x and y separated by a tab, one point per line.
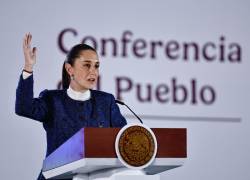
71	56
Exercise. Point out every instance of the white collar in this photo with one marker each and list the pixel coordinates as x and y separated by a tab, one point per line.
80	96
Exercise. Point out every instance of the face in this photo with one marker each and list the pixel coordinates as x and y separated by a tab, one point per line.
85	71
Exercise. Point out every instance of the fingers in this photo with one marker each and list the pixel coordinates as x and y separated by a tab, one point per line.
34	50
24	41
27	40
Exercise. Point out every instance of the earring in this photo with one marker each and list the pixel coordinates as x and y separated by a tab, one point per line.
72	77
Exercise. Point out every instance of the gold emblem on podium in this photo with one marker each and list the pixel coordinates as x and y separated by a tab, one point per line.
136	146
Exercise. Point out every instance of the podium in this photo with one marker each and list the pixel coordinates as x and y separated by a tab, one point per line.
90	153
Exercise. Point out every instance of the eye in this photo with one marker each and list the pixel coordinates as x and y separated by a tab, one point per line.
97	66
87	65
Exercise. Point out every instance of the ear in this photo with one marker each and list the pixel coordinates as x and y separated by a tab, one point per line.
69	69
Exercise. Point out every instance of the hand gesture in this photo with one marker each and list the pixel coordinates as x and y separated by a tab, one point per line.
29	53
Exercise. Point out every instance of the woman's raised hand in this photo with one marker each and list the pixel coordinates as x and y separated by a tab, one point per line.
29	53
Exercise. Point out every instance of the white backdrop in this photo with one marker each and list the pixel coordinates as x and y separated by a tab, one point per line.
218	145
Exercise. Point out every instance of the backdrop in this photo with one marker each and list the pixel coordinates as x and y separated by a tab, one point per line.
176	63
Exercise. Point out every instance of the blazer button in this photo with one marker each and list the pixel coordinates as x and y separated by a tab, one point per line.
101	124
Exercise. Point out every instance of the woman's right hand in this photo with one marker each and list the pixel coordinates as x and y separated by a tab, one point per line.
29	53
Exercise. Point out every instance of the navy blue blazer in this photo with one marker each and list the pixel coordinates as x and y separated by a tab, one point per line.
62	116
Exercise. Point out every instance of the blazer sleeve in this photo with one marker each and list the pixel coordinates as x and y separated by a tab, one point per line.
117	120
28	106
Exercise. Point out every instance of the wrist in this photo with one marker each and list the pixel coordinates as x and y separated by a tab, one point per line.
29	72
28	68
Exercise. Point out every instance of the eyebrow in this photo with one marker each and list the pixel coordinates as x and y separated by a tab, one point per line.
90	61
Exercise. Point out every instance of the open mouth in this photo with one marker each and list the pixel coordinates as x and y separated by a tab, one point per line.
91	79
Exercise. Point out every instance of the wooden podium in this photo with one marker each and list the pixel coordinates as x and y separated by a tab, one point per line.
92	150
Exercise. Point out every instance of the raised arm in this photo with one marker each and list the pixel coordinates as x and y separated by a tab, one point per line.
26	105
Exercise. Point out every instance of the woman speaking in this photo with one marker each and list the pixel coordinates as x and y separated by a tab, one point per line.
64	112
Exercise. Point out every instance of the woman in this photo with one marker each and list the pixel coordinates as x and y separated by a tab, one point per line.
64	112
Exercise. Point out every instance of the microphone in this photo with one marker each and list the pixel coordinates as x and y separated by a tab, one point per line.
122	103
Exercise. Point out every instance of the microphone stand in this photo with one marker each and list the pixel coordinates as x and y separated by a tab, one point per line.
122	103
